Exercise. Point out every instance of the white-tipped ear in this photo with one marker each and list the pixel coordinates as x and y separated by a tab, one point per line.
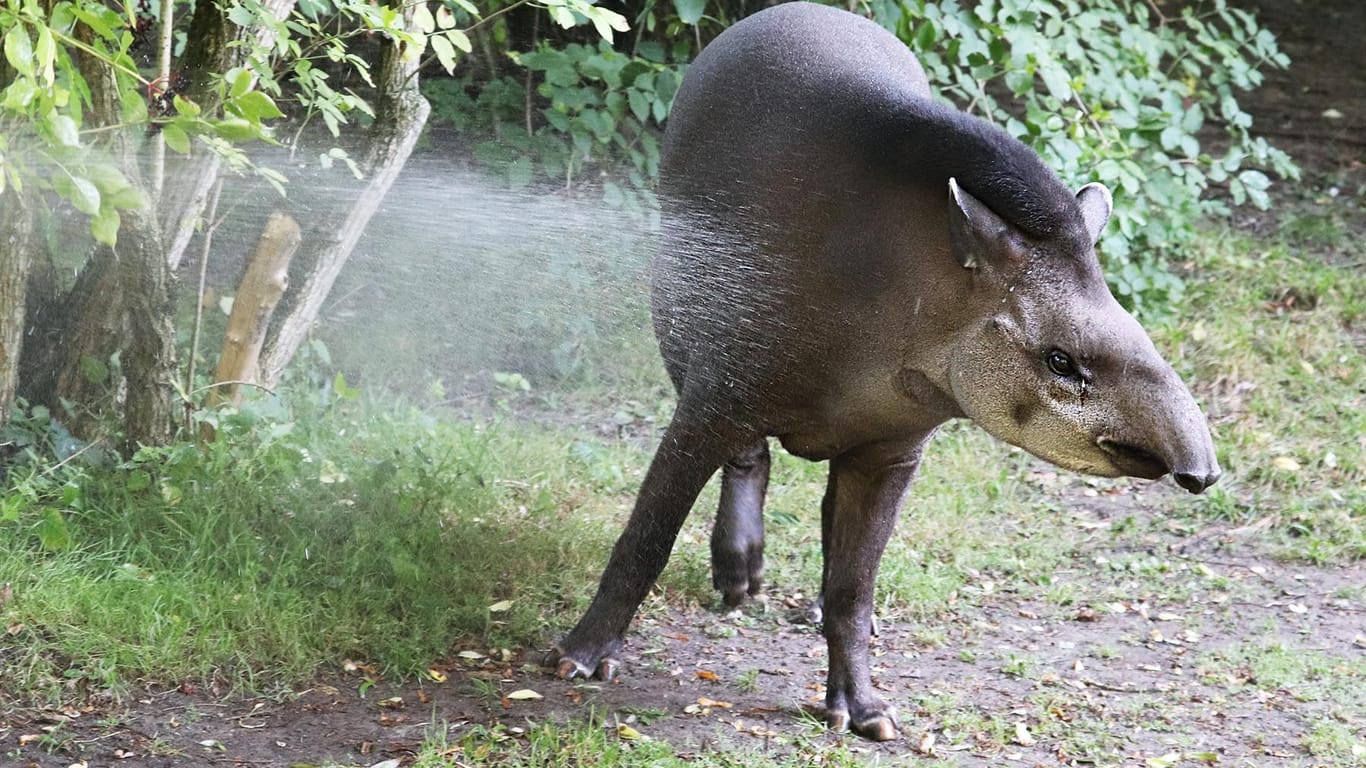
975	231
1096	204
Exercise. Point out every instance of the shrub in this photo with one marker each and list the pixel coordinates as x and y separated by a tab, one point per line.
1108	90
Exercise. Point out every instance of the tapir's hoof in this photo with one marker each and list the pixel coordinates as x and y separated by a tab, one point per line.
569	668
734	595
879	725
737	577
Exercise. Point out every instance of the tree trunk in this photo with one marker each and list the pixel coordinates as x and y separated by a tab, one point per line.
265	281
400	114
120	311
16	244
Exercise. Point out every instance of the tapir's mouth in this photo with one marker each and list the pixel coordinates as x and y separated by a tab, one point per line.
1133	460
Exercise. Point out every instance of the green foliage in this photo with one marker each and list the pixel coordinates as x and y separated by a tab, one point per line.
601	115
43	105
47	138
1113	91
1109	90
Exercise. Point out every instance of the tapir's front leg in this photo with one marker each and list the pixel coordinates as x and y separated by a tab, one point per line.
695	444
866	488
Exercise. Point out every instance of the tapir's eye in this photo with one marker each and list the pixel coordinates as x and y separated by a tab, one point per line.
1060	363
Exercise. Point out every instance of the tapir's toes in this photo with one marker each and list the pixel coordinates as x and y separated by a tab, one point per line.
733	596
607	669
879	723
882	727
569	669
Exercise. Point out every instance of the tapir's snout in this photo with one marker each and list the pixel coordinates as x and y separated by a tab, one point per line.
1173	438
1194	473
1197	483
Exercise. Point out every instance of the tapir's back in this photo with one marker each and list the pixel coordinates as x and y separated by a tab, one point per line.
763	99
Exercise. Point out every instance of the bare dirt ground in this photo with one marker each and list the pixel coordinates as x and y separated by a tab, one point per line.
1229	660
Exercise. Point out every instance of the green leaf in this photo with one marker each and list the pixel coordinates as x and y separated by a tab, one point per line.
19	95
45	54
133	107
255	105
52	532
604	21
85	195
241	78
640	104
176	138
236	129
460	39
64	130
690	11
344	391
186	107
19	50
422	17
240	16
105	226
445	53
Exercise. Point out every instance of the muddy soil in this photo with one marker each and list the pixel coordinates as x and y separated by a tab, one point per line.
1123	670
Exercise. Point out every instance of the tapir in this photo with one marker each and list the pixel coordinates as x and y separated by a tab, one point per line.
847	263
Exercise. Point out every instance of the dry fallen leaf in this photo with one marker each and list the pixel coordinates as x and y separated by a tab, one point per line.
1022	735
524	694
706	702
628	733
471	655
707	674
1286	463
500	606
393	702
436	675
926	744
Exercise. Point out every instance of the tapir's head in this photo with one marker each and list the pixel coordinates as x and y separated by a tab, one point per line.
1053	364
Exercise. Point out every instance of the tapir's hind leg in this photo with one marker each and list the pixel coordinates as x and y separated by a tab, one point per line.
696	443
737	540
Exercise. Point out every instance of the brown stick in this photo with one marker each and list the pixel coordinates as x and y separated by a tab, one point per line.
265	281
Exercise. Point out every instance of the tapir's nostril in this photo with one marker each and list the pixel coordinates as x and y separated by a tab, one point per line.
1195	483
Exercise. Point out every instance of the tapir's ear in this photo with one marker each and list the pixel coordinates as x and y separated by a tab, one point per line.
1095	202
976	234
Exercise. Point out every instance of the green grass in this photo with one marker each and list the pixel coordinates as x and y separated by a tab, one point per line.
319	529
354	531
1286	386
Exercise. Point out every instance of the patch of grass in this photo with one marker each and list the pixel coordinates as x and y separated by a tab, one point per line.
355	531
1274	340
1336	741
1303	674
596	743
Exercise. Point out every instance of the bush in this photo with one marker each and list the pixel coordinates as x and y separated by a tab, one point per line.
1108	90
